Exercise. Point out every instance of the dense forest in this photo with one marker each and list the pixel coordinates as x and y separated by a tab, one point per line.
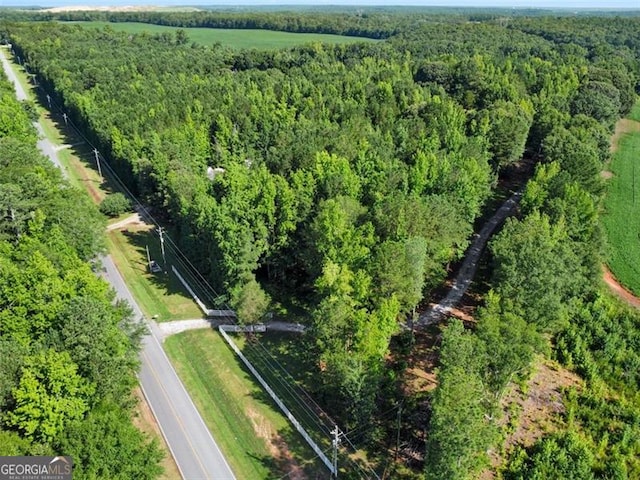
350	179
68	354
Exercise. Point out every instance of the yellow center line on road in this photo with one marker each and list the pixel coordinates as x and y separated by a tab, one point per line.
182	427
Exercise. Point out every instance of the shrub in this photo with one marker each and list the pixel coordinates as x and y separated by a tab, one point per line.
115	204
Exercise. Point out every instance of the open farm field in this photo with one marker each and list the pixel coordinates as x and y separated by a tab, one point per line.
235	38
622	206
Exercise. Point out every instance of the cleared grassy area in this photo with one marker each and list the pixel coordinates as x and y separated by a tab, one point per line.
235	38
635	112
256	439
622	210
158	294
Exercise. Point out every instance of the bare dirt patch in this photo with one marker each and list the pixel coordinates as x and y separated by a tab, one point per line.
537	409
606	174
420	376
532	412
92	186
130	220
540	403
623	126
278	448
416	358
615	286
145	422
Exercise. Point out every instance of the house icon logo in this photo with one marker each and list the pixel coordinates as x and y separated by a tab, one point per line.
36	468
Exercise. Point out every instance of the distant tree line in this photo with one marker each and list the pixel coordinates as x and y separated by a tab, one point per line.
353	176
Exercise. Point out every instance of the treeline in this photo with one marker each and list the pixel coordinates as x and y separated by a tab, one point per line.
546	297
368	22
68	354
352	23
345	179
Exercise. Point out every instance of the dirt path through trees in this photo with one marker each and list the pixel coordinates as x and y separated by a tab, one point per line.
469	266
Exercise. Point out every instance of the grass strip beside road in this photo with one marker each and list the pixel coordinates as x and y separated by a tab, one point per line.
622	210
158	294
256	439
279	354
161	295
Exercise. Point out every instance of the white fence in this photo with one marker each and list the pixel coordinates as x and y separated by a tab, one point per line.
223	329
207	311
256	328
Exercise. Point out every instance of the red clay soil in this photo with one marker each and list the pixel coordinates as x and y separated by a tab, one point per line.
618	289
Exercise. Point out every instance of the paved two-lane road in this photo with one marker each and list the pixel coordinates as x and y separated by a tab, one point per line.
45	146
193	448
195	451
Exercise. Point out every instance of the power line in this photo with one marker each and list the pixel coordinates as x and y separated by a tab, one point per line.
294	395
355	450
205	288
145	212
306	394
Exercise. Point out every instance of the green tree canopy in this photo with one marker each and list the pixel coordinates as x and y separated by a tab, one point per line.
50	395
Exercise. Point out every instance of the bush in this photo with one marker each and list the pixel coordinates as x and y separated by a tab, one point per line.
115	204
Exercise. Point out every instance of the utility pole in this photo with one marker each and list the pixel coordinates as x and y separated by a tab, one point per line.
64	115
13	220
95	151
148	258
164	260
49	101
336	440
398	430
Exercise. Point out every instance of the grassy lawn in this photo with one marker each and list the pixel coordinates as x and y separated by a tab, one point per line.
622	210
235	38
635	112
256	439
158	294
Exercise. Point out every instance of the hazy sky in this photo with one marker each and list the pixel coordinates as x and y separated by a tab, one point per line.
473	3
